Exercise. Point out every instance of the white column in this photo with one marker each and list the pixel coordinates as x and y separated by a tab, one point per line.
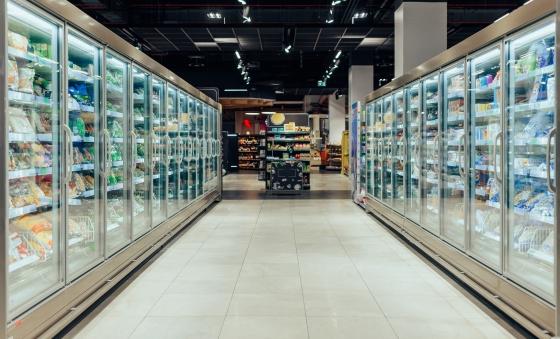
420	33
337	116
360	84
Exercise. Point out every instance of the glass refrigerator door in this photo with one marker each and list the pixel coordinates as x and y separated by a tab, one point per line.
159	170
172	151
183	137
84	189
388	117
453	162
484	187
369	148
399	147
206	163
377	148
530	138
413	139
198	148
117	228
34	167
430	159
140	135
191	153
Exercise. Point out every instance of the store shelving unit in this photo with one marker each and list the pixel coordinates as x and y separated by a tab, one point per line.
108	154
289	146
334	160
248	151
480	171
262	156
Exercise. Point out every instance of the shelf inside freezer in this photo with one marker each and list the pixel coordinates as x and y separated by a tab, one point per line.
19	211
530	76
81	76
23	262
31	172
25	98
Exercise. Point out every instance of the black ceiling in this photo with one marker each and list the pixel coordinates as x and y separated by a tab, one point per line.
181	36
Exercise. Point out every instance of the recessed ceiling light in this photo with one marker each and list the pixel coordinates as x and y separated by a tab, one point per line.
226	40
252	113
371	42
238	55
235	90
268	113
206	44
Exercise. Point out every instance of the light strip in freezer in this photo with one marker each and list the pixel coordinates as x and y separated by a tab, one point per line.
534	35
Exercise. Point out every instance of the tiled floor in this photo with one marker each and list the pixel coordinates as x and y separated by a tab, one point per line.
290	269
247	181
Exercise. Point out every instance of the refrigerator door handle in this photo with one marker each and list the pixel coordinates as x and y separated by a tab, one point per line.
462	165
494	157
134	142
154	150
168	150
69	153
549	182
107	144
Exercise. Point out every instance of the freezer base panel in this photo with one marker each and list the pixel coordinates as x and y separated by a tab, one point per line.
531	312
52	315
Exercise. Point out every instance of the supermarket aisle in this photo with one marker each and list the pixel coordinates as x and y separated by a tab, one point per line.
290	269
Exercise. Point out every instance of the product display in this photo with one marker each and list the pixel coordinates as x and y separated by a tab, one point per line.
483	131
248	151
292	146
80	174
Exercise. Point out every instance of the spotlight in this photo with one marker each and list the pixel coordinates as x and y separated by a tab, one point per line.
243	2
288	49
238	55
338	54
213	15
329	21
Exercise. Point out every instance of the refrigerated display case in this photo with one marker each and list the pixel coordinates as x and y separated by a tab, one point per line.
398	158
387	120
377	148
85	135
531	128
34	263
183	150
172	154
430	153
453	163
84	189
413	139
369	148
198	148
192	152
117	228
484	139
158	142
485	175
139	175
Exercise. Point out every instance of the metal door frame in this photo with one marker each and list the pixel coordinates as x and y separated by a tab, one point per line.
126	130
445	111
98	160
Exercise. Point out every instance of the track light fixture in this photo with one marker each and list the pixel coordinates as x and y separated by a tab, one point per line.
330	70
243	68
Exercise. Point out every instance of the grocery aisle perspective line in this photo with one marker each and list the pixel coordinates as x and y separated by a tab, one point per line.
290	269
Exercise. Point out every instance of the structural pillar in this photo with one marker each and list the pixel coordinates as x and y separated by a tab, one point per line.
420	33
360	84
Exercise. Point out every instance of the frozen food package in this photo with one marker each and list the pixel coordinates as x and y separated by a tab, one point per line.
26	76
18	41
13	77
18	122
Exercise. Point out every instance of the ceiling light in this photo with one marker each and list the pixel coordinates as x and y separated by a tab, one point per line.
268	113
235	90
243	2
239	65
336	2
338	54
360	15
238	55
226	40
246	19
329	21
371	42
288	49
214	15
252	113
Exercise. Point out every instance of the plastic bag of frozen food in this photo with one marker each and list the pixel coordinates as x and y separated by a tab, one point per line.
18	41
13	77
26	76
18	121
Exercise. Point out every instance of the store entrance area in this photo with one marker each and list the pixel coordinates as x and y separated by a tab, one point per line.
265	266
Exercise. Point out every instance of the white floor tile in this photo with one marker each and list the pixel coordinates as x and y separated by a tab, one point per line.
236	327
179	327
349	328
